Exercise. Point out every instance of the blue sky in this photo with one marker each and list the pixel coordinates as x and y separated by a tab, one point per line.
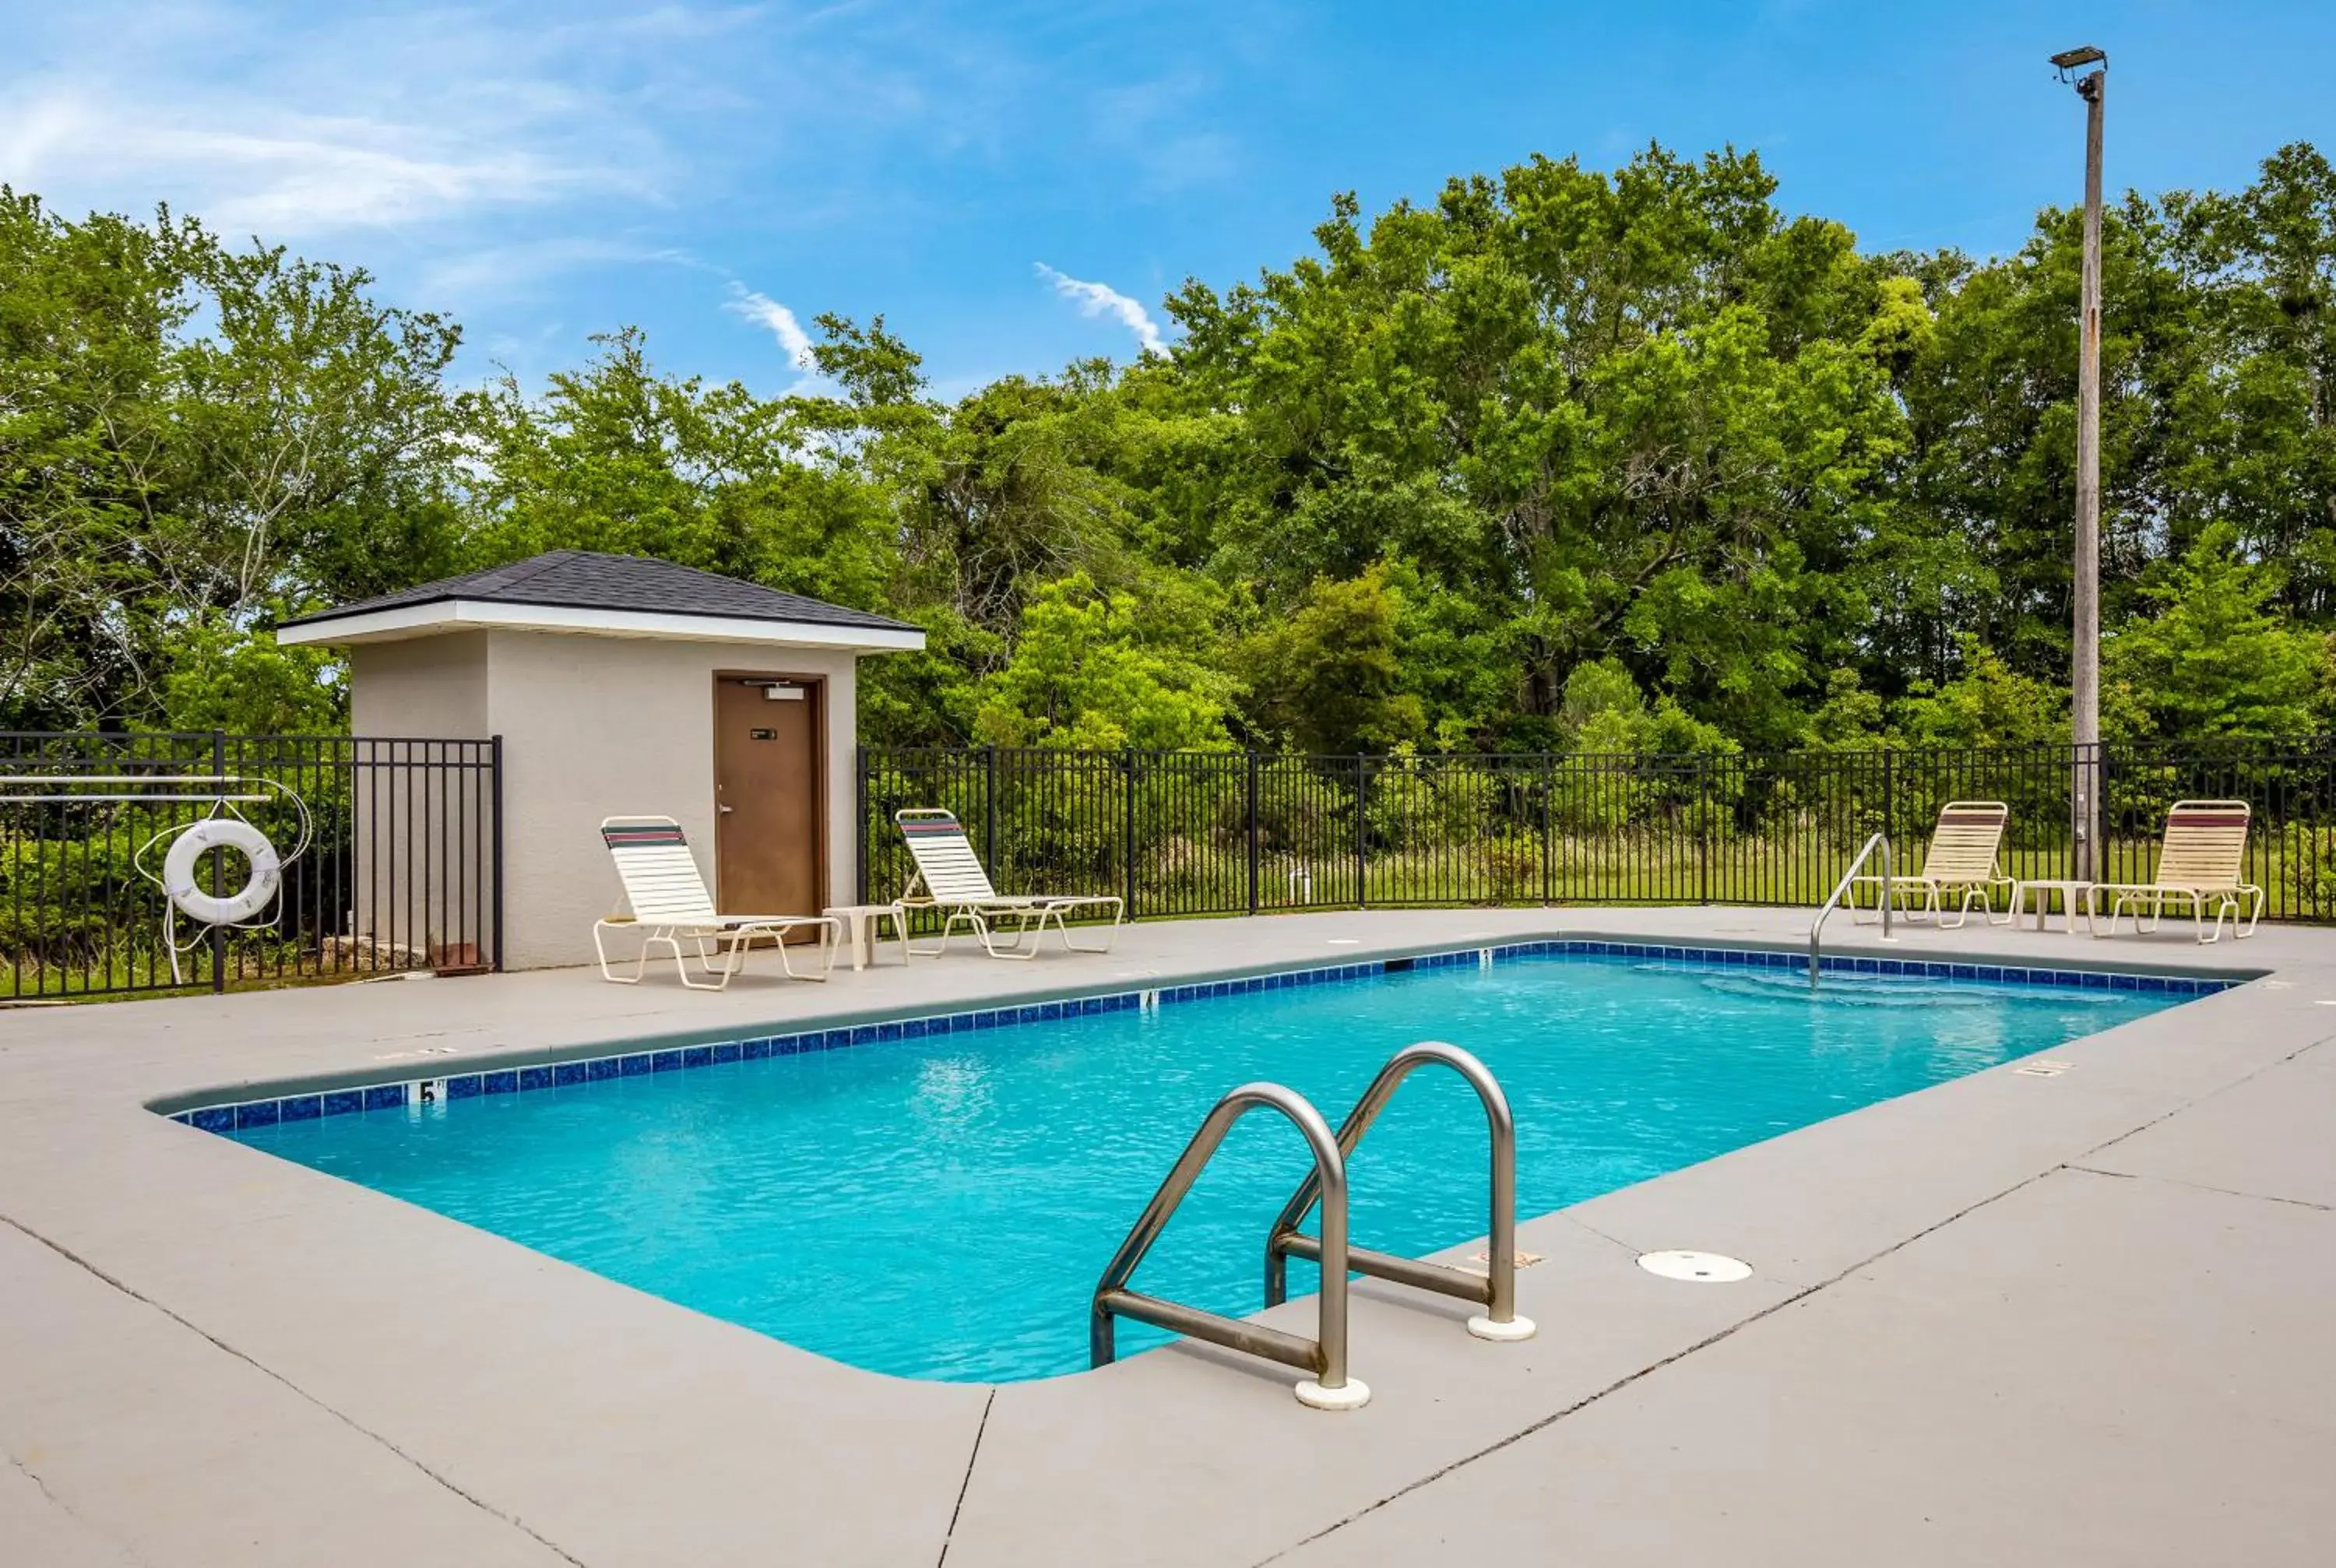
1015	185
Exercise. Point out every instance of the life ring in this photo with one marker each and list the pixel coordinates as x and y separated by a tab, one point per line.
221	832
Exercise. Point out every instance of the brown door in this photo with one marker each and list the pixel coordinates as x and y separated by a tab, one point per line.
770	819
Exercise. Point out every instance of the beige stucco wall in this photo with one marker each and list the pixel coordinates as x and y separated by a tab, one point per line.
424	685
599	726
421	889
592	726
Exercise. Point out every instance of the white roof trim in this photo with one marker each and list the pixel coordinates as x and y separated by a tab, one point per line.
441	616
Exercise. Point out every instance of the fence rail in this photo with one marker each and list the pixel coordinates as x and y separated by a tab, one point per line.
401	871
1228	832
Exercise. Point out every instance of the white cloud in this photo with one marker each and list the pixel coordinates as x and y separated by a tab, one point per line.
280	174
293	131
766	312
1099	299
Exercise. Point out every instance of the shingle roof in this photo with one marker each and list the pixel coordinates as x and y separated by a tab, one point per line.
587	579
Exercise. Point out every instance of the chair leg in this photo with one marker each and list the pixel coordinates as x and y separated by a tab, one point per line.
672	944
2010	915
1963	913
1022	933
600	945
827	943
948	929
1110	934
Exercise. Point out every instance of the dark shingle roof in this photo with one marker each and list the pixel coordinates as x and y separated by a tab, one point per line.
585	579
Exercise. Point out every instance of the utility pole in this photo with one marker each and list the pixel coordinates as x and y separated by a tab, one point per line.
2085	653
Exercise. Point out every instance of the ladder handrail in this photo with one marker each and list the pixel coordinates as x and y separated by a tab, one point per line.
1889	900
1325	1354
1496	1290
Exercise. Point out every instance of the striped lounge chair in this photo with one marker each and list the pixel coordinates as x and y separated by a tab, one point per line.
2201	862
949	878
669	905
1961	861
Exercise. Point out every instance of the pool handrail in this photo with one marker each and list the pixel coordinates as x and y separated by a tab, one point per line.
1325	1354
1496	1289
1889	896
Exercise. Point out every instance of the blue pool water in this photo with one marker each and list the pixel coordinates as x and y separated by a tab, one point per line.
941	1207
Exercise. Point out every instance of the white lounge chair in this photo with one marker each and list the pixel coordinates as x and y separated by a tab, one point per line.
1961	859
953	881
670	905
2201	862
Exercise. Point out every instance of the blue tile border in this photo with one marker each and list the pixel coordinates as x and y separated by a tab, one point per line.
264	1113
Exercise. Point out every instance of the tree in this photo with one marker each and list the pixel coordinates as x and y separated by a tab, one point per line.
1990	704
2213	659
1084	675
1327	678
1630	416
1564	458
193	438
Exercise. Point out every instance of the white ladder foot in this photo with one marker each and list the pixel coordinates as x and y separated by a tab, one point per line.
1353	1396
1517	1328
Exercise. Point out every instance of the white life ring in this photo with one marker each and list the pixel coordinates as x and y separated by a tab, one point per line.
216	833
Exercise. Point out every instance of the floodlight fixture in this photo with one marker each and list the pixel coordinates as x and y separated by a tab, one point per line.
2073	60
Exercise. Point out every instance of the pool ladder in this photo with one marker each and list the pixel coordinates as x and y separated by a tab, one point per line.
1324	1356
1849	880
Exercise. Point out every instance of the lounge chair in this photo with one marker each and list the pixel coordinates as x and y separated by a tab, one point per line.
670	905
953	881
2202	863
1961	859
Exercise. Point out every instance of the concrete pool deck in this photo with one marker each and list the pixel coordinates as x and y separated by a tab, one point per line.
2081	1317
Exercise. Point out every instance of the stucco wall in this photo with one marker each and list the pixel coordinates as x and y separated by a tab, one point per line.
419	888
425	686
597	726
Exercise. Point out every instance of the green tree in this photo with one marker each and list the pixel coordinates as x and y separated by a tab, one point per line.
1085	675
1630	415
190	438
1989	704
1327	678
2213	658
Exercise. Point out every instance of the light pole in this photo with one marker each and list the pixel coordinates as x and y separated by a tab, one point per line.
2085	656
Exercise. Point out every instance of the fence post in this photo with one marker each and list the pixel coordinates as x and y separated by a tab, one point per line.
1548	828
1362	794
860	825
1703	827
1128	836
1889	790
990	814
219	871
497	798
1252	831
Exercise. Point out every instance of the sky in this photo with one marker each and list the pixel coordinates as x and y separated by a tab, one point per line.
1016	186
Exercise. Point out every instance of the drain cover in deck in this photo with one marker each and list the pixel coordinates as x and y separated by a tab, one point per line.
1696	1268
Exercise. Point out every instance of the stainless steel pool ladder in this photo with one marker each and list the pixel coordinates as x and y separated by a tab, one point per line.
1889	896
1496	1290
1325	1354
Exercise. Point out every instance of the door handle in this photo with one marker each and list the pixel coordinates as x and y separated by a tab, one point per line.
726	811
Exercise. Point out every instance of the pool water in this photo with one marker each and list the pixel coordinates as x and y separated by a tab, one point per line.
941	1207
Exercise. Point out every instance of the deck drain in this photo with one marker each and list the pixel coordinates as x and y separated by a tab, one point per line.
1696	1268
2040	1069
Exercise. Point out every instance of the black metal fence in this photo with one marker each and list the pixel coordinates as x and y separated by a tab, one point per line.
1228	832
401	868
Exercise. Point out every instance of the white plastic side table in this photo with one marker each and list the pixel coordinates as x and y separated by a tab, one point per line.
861	930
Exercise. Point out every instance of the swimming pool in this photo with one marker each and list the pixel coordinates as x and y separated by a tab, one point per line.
939	1204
